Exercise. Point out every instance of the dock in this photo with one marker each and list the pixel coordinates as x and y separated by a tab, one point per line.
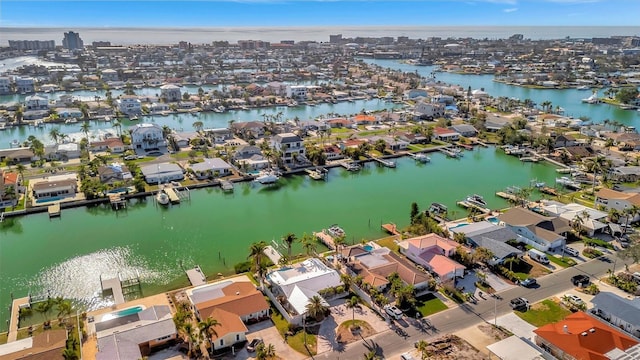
468	205
117	202
387	163
549	191
173	196
465	146
454	153
196	276
325	239
506	195
118	285
530	159
420	157
226	185
317	174
14	320
273	254
54	210
350	165
390	228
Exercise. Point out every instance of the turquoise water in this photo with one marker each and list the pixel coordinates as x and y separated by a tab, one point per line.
53	198
493	220
368	247
215	229
121	313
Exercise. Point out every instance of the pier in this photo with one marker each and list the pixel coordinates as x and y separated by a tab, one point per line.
226	185
196	276
390	228
387	163
350	165
549	191
530	159
273	254
173	197
14	320
420	157
325	239
454	153
467	205
506	195
117	202
54	210
317	174
117	285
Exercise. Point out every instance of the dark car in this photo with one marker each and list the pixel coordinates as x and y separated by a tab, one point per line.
520	304
529	282
253	345
580	280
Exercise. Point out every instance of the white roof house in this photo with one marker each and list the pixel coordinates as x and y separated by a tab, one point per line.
302	281
162	173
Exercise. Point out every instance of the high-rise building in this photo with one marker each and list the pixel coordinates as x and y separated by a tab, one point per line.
335	39
72	41
32	44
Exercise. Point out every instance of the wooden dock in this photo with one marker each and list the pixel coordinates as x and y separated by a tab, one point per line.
467	205
173	197
273	254
549	191
350	165
387	163
325	239
117	202
226	185
196	276
530	159
54	210
14	320
505	195
390	228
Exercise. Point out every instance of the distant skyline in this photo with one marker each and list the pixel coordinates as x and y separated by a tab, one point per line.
256	13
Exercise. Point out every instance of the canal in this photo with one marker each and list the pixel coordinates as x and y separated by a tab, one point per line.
67	256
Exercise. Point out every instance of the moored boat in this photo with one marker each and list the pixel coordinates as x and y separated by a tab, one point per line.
162	198
476	200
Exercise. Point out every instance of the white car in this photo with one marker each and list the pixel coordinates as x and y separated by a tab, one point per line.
571	251
574	299
393	311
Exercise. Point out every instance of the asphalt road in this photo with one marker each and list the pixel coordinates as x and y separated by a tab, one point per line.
389	343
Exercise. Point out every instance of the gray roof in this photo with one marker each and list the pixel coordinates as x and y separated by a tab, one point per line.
499	249
628	310
464	128
502	234
162	168
626	170
286	138
209	164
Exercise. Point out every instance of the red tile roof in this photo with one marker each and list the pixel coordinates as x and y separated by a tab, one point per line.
584	338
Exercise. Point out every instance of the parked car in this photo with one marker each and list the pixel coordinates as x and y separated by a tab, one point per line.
520	304
130	157
253	345
393	311
538	256
529	282
571	251
580	280
573	299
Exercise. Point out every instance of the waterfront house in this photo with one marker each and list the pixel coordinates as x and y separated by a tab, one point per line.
433	252
364	120
129	105
295	284
35	114
618	200
297	92
332	152
580	336
170	93
5	85
147	136
444	134
162	173
376	265
67	113
36	102
291	147
391	142
620	312
564	141
338	123
113	145
542	232
115	172
209	168
465	130
233	303
41	346
492	237
137	335
219	135
183	139
157	107
429	110
250	158
413	138
62	152
17	155
25	85
591	220
54	188
414	93
625	173
8	184
248	130
109	75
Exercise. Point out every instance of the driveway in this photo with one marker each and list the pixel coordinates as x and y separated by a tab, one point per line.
270	335
516	325
339	314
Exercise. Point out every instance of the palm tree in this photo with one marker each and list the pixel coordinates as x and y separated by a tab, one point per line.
64	307
316	308
43	308
70	354
347	280
353	303
309	244
54	134
338	242
256	253
187	330
118	125
207	329
423	346
510	261
85	127
370	355
289	239
198	125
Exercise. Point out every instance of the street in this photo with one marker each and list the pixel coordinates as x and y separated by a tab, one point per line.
391	344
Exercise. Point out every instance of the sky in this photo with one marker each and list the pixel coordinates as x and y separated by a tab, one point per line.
244	13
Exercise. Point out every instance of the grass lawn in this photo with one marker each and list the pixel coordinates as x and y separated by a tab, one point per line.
416	147
389	242
297	343
544	313
564	262
429	304
341	130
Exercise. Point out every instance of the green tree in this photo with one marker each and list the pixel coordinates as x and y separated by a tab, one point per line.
510	261
627	94
198	125
207	329
85	127
54	134
414	211
289	239
423	347
353	303
257	253
316	308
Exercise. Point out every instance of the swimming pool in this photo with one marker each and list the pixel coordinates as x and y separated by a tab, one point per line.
368	247
53	198
122	313
458	226
493	220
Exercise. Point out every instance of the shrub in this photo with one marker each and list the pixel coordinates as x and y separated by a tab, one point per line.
591	253
242	267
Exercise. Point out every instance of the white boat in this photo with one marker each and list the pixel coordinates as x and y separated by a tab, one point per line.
568	183
593	99
420	157
476	200
438	208
267	178
133	118
335	231
71	121
15	143
107	118
583	87
162	198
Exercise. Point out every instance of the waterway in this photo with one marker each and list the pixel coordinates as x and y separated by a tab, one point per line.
568	99
67	256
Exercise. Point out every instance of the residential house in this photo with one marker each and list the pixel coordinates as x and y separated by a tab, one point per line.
364	120
135	336
465	130
620	312
564	141
233	303
55	188
62	152
25	85
45	345
429	110
313	125
17	155
577	153
276	88
5	85
215	167
67	113
170	93
580	336
591	220
298	283
297	92
183	139
129	105
8	184
291	147
492	237
621	201
625	173
109	75
158	107
444	134
415	93
162	173
113	145
433	252
392	143
542	232
219	135
332	152
250	158
248	129
115	172
414	138
338	123
35	102
147	136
